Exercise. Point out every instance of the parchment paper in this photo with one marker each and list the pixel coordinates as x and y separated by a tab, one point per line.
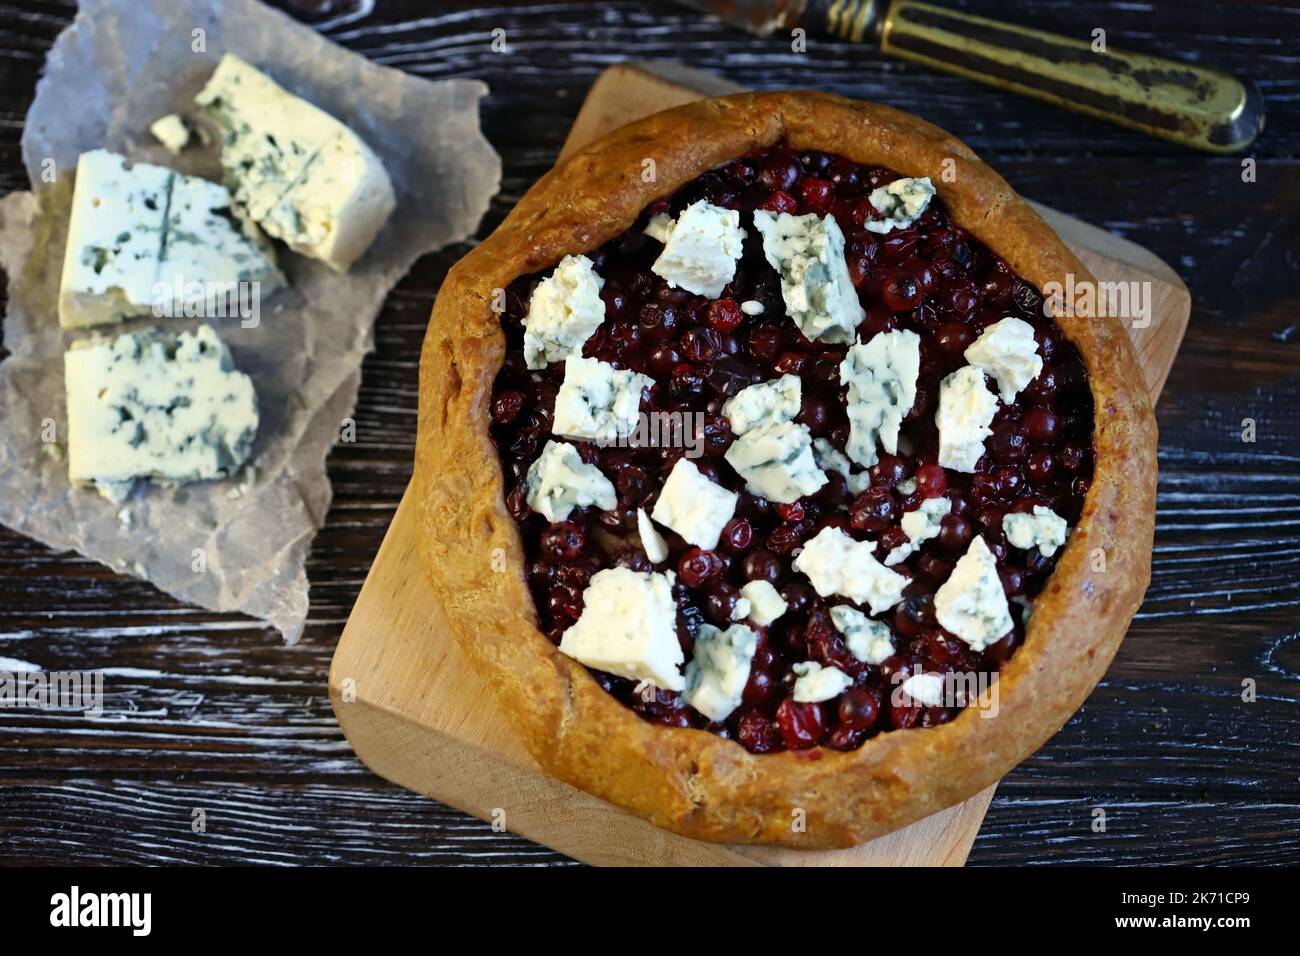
239	544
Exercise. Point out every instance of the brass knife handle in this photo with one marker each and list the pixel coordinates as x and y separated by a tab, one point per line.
1197	106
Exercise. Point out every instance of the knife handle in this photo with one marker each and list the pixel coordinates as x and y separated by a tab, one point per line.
1196	106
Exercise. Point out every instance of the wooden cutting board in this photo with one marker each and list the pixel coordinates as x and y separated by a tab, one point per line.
416	713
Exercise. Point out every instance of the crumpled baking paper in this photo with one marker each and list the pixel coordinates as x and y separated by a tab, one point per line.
240	544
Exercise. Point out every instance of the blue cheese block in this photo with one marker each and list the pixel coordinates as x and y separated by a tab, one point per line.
115	240
302	175
152	405
145	240
808	253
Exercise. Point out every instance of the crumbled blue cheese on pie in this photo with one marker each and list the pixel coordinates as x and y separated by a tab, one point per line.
151	405
836	564
764	404
966	409
765	602
1044	530
751	307
172	131
925	689
829	458
814	683
717	674
628	627
559	481
139	236
701	250
920	525
808	253
1007	351
693	506
881	378
660	227
302	175
777	462
652	542
598	402
900	203
566	308
868	640
972	603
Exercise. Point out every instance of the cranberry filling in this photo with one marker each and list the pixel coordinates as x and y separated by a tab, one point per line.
933	278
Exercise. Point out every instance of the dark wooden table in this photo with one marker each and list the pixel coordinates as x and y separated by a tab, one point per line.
210	712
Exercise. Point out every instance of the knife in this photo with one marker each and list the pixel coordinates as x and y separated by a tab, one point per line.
1196	106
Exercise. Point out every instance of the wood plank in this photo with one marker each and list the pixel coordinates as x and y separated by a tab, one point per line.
414	711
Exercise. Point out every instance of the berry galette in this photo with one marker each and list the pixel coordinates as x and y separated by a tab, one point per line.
760	483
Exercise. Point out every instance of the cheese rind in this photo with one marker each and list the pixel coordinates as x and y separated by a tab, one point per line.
1007	351
966	409
559	481
693	506
153	405
1044	530
808	253
972	603
300	173
628	627
701	249
881	378
564	311
717	674
836	564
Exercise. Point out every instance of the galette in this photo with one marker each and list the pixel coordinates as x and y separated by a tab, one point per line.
767	477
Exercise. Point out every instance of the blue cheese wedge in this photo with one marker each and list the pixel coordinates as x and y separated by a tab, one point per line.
925	689
598	402
868	640
764	404
652	542
700	249
1007	351
881	378
143	238
564	311
302	175
829	458
837	564
899	203
151	405
1044	529
814	683
777	462
920	525
559	481
808	253
972	603
693	506
966	410
765	602
628	627
717	674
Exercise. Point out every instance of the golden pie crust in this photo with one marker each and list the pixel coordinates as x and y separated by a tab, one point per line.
694	782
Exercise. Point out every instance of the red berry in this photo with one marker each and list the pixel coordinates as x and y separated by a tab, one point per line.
802	725
725	315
